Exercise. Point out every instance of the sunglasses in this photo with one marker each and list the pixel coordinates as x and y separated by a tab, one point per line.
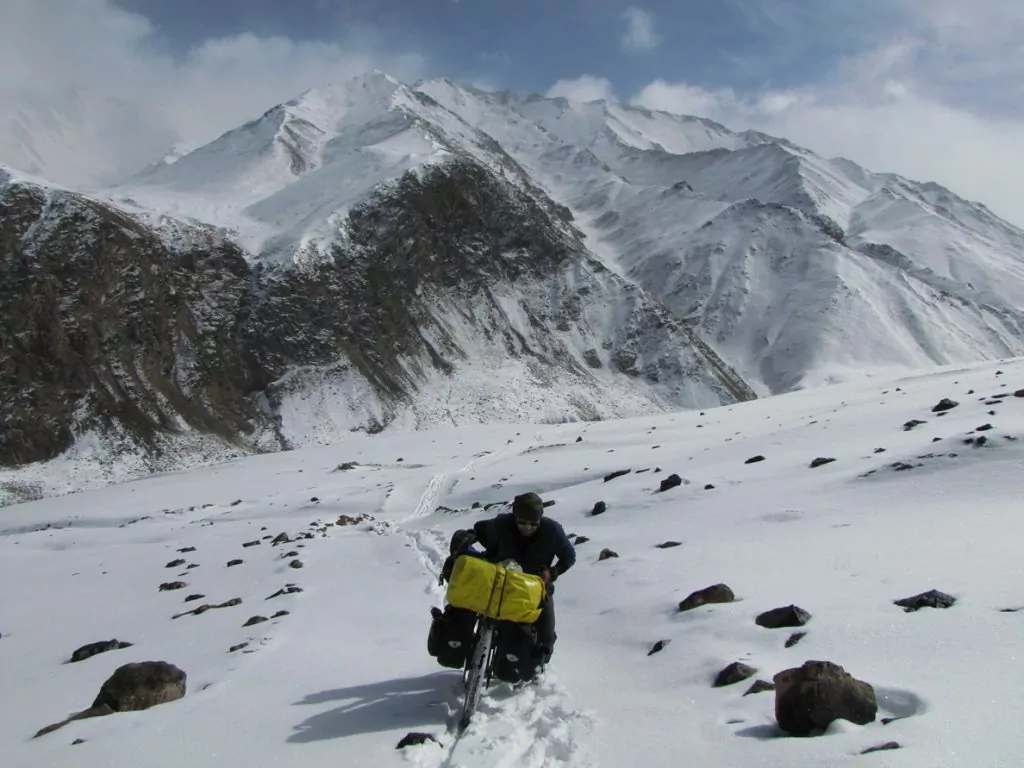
526	523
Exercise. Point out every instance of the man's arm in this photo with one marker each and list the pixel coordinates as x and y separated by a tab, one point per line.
565	552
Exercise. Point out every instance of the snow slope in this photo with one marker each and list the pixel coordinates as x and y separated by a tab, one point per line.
344	675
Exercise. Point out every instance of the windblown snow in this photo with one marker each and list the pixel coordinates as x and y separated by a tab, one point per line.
338	674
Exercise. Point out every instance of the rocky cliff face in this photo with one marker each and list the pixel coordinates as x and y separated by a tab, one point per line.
144	337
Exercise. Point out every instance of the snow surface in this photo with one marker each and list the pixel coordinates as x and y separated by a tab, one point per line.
345	675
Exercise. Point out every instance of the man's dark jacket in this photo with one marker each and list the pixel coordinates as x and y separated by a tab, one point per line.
502	541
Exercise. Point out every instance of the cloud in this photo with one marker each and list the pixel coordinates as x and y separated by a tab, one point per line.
639	34
585	88
84	79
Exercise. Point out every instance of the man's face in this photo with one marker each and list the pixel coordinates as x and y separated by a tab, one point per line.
526	528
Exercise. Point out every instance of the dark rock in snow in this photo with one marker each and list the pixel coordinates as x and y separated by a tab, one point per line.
759	686
879	450
579	439
599	508
232	563
1019	393
254	620
658	646
238	647
285	591
549	503
615	474
672	481
944	404
787	616
882	747
255	543
295	564
820	462
668	544
580	540
809	698
183	550
415	739
169	586
709	487
930	599
909	425
175	563
607	554
190	598
281	538
795	638
92	649
983	428
754	460
716	593
734	673
281	614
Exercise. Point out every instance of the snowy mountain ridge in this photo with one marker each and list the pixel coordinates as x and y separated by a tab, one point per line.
445	254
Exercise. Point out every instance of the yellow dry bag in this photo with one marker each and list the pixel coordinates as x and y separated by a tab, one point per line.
495	591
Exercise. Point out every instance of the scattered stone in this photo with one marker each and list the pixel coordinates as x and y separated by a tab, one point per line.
944	404
238	647
607	554
315	500
255	543
882	747
760	686
92	649
672	481
175	563
901	466
236	502
1019	393
77	741
879	450
292	553
230	603
709	487
281	538
183	550
754	459
232	563
190	598
936	439
549	503
295	564
716	593
983	428
658	646
734	673
599	508
668	544
930	599
616	473
349	520
290	590
193	565
279	614
795	638
820	462
254	620
415	739
580	540
346	466
809	698
169	586
909	425
787	616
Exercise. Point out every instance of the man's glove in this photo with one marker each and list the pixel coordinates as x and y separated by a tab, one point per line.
548	575
462	540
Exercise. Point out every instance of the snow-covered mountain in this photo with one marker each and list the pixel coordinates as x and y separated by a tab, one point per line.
396	255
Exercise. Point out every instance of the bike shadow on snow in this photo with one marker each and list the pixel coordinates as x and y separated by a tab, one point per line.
400	703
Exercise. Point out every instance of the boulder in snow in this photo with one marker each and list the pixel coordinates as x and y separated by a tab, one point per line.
716	593
930	599
787	616
945	404
809	698
92	649
672	481
734	673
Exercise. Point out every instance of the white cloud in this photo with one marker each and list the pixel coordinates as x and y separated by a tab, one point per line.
105	72
639	34
585	88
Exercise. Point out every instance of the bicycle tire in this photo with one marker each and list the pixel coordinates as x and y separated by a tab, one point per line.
476	673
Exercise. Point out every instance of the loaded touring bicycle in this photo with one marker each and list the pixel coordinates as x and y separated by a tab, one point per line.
486	629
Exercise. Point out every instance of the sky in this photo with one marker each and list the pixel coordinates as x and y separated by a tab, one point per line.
933	89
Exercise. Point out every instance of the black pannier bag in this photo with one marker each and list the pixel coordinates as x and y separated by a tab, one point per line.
516	656
450	637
